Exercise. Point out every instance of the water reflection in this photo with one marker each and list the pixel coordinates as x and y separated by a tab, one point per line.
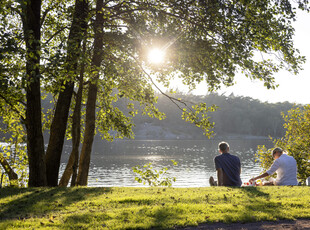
111	163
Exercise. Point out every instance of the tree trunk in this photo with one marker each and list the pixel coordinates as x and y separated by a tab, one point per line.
7	168
59	123
90	122
75	169
35	143
71	168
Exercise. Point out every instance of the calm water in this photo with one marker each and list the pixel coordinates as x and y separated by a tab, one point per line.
111	163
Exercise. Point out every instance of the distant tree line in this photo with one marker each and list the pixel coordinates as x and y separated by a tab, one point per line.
236	115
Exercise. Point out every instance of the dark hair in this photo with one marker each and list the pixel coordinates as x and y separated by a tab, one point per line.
223	146
276	150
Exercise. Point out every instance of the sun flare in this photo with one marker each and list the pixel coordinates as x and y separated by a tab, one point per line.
156	56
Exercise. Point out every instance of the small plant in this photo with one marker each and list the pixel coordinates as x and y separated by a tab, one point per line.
154	178
13	150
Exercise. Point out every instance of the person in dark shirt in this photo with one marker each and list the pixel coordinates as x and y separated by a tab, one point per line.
228	167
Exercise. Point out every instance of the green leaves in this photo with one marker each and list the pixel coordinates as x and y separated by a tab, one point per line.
264	157
296	141
198	115
13	150
154	178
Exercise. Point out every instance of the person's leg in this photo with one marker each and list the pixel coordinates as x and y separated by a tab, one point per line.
212	182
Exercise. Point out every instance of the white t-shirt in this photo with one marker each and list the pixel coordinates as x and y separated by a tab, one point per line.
286	169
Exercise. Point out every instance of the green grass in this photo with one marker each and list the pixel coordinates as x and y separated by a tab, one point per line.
145	208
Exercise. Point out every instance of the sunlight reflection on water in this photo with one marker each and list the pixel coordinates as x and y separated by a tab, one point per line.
111	163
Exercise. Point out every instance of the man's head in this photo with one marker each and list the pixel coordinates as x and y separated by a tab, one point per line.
223	147
276	153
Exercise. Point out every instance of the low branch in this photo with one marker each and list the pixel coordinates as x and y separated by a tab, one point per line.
172	99
44	15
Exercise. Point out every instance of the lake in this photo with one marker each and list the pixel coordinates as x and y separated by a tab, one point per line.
111	163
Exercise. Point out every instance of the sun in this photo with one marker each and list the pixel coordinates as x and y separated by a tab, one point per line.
156	56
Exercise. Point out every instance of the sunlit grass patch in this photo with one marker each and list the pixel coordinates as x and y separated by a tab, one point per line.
145	208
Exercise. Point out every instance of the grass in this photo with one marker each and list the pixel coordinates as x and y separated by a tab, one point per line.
145	208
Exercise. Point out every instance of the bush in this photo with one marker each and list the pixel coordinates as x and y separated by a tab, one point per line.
296	141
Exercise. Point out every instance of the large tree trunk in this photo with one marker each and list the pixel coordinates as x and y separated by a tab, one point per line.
35	143
90	122
57	134
59	123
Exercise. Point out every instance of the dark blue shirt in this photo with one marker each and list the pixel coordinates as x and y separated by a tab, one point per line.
231	167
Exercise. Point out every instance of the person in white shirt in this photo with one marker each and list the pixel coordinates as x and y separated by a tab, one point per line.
285	166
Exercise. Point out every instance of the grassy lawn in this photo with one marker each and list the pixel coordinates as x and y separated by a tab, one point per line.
145	208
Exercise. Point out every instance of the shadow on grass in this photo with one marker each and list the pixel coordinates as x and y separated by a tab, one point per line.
148	217
257	207
254	191
85	221
42	201
164	216
283	224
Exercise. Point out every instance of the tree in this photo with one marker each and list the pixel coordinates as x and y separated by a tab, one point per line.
203	40
206	55
27	11
31	18
60	118
295	142
92	96
72	165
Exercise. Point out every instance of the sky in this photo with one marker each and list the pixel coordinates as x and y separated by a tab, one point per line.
292	88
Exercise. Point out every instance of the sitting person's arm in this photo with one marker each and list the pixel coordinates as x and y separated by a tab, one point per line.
259	177
271	171
220	177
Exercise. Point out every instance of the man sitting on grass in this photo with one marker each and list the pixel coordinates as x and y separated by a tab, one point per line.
285	166
228	168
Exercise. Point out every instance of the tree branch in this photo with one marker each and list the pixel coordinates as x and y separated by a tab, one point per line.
172	99
13	107
54	35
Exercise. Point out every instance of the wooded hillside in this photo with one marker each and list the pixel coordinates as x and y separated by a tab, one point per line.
236	116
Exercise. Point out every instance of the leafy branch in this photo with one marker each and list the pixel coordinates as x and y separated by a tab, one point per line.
196	114
153	177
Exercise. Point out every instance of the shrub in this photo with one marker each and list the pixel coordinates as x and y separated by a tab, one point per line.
296	141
